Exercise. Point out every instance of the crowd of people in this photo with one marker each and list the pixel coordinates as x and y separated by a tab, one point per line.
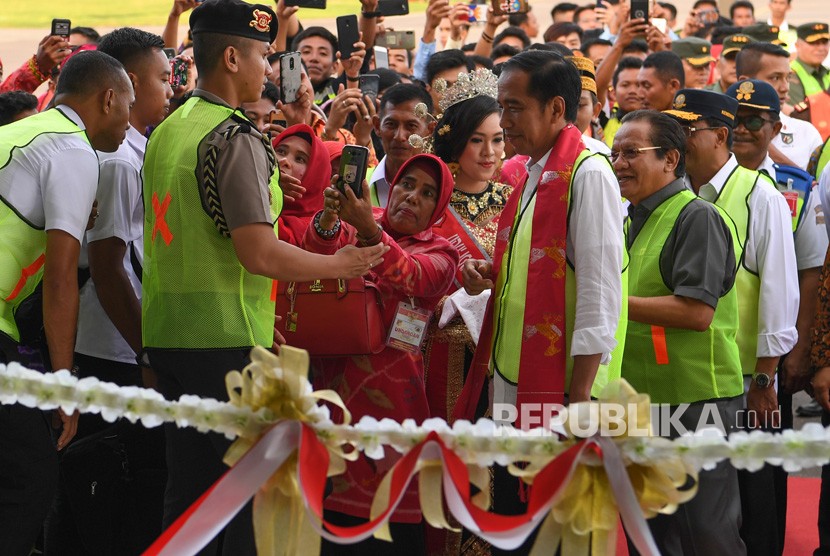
544	212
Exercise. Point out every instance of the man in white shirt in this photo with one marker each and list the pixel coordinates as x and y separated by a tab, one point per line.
767	297
756	124
539	93
795	142
47	183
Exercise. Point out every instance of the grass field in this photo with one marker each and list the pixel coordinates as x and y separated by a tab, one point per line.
114	13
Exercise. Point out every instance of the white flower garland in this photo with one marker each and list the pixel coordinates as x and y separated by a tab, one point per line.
482	443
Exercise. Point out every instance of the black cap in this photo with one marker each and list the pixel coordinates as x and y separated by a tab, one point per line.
234	17
754	93
812	32
691	105
762	32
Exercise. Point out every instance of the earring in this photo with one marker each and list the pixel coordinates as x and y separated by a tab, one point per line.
454	167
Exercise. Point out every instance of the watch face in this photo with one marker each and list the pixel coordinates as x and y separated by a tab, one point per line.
762	380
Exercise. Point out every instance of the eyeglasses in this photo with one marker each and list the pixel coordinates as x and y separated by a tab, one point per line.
751	123
690	130
630	154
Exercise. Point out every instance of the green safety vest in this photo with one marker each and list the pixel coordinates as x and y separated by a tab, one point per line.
673	365
511	295
23	244
810	83
734	200
196	293
610	130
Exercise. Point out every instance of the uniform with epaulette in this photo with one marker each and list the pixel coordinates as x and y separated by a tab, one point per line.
207	171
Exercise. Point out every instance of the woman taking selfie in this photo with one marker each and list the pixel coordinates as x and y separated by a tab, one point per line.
413	277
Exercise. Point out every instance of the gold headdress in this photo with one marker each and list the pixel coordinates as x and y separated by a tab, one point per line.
481	82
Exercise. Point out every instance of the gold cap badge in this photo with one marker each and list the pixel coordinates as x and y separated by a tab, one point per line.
261	21
746	90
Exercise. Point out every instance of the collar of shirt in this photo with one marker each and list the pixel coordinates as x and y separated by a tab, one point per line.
71	114
710	191
210	97
640	213
784	27
767	165
380	183
534	172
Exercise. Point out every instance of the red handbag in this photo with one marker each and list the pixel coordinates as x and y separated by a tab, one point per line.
332	318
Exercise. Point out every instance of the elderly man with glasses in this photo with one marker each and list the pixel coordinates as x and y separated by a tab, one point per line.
680	345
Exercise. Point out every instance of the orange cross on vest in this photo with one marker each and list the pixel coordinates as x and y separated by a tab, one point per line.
160	225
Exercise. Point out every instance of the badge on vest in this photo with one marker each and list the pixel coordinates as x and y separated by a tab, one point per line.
409	328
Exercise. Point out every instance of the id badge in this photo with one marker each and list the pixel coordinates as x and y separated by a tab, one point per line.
792	201
409	328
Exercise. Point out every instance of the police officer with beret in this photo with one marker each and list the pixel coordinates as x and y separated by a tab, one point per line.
211	199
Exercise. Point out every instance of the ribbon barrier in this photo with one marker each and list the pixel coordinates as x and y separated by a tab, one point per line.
287	446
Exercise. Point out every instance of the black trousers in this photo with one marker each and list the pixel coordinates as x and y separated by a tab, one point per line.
194	460
28	469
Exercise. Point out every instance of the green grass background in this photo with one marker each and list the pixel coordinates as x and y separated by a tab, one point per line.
115	13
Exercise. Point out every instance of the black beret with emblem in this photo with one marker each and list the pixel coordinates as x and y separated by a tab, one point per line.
691	105
234	17
762	32
812	32
754	93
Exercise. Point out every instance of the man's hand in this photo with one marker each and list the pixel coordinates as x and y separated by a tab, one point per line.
493	20
181	6
351	67
51	51
477	276
364	111
354	262
763	403
656	40
629	31
68	424
795	371
459	19
436	11
821	387
284	13
692	24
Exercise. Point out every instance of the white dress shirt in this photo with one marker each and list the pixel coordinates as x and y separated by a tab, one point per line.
595	145
51	183
770	253
379	183
121	215
797	140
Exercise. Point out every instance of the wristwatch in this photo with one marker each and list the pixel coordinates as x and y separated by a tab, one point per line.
762	380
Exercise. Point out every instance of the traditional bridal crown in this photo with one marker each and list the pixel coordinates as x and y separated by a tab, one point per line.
481	82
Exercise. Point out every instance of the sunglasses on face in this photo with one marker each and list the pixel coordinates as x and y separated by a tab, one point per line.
753	122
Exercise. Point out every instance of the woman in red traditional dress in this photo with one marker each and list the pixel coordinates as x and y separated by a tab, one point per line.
417	270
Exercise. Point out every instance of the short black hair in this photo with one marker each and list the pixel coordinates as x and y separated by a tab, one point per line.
512	31
699	3
748	62
463	119
514	20
128	44
271	92
88	32
316	31
556	47
628	62
551	76
209	48
562	29
590	43
671	7
482	61
563	7
405	92
740	4
446	60
667	66
13	103
666	133
504	50
87	73
637	45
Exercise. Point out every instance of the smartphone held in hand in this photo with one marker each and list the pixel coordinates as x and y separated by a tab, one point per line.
353	165
61	27
291	69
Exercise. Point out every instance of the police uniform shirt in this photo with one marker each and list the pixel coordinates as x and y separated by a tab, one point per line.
811	241
242	172
770	253
52	182
797	140
698	258
120	215
797	93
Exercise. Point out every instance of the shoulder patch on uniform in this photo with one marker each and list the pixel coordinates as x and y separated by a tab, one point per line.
801	106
